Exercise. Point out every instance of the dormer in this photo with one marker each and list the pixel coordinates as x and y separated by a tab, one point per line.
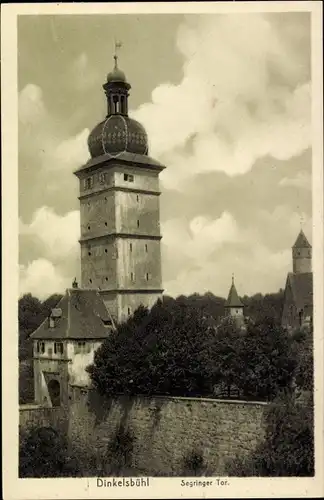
54	317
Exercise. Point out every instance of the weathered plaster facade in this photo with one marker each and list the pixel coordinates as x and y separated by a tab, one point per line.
67	368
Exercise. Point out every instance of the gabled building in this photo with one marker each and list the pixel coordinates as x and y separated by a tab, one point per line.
298	296
65	343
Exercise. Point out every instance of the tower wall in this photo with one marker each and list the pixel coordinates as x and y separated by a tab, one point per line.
120	235
99	263
235	311
302	260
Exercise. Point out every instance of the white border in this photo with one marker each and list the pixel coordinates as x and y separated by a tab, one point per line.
15	488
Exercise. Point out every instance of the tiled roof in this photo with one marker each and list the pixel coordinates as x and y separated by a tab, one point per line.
84	316
127	157
302	241
302	288
233	299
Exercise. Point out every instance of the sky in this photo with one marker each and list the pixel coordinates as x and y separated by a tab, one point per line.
226	102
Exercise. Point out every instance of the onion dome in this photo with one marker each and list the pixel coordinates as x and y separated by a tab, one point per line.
117	133
116	75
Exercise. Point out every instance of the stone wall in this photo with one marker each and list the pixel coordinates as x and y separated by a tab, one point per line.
167	430
32	415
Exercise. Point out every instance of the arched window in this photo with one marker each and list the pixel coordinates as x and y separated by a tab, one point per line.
122	105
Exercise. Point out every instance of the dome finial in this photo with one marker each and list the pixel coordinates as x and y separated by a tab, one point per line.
232	278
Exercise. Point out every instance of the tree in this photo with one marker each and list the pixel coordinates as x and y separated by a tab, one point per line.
269	365
43	452
175	349
156	352
31	313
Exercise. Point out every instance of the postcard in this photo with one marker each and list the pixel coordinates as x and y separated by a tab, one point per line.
162	212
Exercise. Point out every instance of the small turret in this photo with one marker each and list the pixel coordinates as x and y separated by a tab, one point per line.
302	255
234	306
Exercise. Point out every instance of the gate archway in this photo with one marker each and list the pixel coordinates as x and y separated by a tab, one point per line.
54	390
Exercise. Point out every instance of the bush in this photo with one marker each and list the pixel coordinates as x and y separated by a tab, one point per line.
194	464
288	448
120	450
43	452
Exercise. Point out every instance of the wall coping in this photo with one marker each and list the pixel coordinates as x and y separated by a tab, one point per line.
182	398
30	406
204	400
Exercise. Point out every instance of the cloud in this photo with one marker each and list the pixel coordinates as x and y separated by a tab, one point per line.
55	242
41	278
31	108
201	236
302	180
71	152
202	254
43	139
245	94
58	235
82	75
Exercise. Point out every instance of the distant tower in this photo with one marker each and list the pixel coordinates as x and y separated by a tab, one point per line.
234	306
302	255
119	206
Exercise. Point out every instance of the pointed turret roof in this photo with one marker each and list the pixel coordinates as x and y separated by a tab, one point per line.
302	241
233	299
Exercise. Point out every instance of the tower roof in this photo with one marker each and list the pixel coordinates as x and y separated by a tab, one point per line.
302	288
233	299
302	241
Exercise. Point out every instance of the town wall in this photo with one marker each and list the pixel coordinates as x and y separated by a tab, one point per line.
165	430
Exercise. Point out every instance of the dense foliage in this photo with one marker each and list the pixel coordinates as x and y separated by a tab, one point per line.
43	452
31	313
288	448
175	349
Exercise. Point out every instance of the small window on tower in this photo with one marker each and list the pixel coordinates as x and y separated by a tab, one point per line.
88	228
132	277
102	178
147	276
137	198
131	247
129	311
128	177
106	251
90	280
137	223
88	183
145	247
89	253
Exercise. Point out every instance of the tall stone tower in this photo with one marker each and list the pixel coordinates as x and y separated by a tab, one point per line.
119	206
302	255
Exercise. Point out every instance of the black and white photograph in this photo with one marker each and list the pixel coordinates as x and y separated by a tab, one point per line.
165	171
